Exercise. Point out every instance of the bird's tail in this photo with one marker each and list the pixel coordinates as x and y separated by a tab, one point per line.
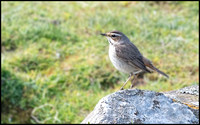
161	72
151	66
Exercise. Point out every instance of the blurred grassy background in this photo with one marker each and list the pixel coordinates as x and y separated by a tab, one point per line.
55	65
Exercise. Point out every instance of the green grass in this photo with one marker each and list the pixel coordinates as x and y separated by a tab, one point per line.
54	62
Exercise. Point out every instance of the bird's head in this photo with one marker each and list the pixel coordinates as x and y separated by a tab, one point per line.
115	37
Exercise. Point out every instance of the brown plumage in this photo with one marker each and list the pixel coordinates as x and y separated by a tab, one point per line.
126	57
149	64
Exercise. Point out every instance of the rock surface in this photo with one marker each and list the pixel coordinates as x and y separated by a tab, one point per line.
188	96
139	106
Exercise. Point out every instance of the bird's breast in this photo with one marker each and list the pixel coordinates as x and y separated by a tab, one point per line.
118	63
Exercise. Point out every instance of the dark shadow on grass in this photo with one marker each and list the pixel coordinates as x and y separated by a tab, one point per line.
13	103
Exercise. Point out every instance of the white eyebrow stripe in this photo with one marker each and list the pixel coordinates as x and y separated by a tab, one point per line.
115	34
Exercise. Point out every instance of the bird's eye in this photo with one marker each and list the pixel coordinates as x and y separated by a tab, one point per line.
113	35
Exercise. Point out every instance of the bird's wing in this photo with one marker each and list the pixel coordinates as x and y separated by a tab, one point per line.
130	54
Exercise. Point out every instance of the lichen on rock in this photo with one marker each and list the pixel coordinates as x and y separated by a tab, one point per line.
140	106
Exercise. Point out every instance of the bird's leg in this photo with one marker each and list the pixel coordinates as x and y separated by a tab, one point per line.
135	77
126	81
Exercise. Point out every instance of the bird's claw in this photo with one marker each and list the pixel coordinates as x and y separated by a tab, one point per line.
131	86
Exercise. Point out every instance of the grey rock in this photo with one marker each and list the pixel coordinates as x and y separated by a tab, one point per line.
188	96
192	90
139	106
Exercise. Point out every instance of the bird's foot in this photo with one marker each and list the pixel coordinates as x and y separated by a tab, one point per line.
121	88
131	87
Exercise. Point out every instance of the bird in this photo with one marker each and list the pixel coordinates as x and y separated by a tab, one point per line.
126	57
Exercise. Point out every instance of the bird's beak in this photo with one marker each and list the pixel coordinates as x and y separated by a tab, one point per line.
103	34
